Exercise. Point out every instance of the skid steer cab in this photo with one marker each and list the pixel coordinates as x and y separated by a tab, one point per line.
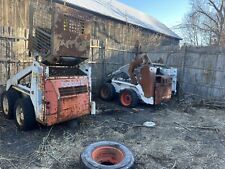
47	95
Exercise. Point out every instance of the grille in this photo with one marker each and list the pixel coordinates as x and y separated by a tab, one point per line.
40	40
74	25
68	91
65	71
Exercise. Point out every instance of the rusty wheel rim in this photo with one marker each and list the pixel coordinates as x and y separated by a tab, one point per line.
126	99
107	155
104	93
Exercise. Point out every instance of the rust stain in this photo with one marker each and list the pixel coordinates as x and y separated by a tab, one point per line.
64	32
71	32
147	81
133	65
163	89
66	99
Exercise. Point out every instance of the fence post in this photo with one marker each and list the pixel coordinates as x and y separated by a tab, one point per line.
184	54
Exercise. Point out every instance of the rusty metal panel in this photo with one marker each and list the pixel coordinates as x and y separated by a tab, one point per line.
65	72
40	18
72	90
66	99
59	32
163	89
133	65
147	81
71	32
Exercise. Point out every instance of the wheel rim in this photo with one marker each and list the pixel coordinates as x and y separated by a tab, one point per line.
104	93
19	115
5	105
108	155
126	99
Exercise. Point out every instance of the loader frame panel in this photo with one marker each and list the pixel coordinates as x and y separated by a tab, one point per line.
66	99
58	31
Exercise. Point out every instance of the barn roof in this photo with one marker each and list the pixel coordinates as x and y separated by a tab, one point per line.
122	12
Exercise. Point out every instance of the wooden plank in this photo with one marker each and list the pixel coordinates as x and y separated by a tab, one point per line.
1	12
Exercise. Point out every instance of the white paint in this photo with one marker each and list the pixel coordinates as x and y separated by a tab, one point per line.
149	124
121	85
81	82
93	108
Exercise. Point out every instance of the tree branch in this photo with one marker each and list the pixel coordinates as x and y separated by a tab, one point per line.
201	28
207	15
214	30
214	6
206	21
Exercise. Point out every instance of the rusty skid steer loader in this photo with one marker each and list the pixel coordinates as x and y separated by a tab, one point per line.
141	80
57	85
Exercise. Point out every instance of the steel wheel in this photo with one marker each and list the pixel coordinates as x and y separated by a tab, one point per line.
8	99
20	115
5	105
107	155
107	92
126	99
24	114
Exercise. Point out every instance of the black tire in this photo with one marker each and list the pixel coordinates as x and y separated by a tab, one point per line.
128	98
107	92
24	114
107	155
8	100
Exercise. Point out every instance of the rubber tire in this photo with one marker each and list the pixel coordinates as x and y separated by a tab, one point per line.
87	161
111	92
134	98
29	122
12	96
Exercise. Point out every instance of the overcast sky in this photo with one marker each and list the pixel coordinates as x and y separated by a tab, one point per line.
169	12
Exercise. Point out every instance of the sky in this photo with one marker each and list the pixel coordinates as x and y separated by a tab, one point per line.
169	12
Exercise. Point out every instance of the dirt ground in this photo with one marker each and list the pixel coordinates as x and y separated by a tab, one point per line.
184	138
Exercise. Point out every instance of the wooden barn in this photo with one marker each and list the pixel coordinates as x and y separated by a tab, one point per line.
114	29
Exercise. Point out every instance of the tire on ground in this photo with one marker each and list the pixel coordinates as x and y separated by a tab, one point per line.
128	98
8	100
107	155
24	114
107	92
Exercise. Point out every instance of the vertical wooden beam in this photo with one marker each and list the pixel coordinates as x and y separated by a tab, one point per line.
1	12
26	8
7	12
22	13
10	12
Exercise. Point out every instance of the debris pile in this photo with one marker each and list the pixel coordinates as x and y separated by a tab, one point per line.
188	102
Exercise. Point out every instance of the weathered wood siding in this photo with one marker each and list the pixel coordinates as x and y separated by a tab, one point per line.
113	45
112	41
14	16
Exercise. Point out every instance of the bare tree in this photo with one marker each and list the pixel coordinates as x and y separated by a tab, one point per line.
205	24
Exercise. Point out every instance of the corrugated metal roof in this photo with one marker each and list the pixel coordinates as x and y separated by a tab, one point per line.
122	12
